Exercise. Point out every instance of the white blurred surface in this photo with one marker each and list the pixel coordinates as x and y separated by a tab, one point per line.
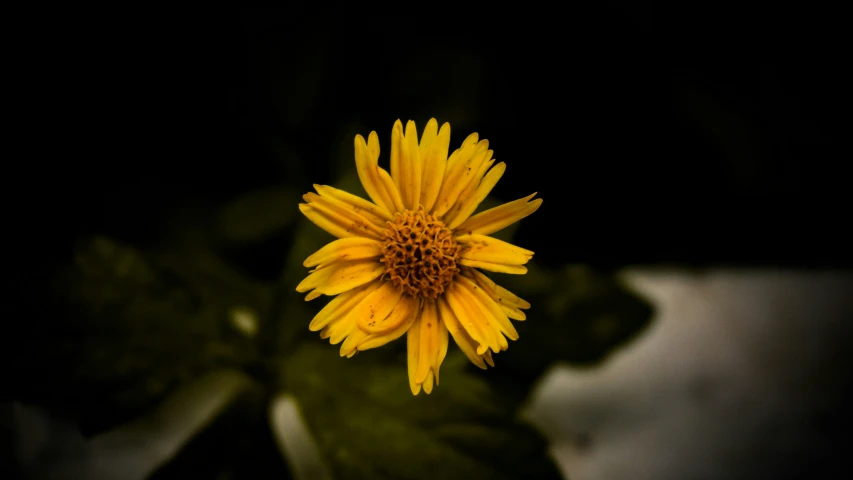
51	449
295	441
732	381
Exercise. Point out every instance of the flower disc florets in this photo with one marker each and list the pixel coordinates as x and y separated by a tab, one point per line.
420	254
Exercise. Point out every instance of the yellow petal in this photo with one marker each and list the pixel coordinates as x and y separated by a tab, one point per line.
426	346
327	223
408	310
457	164
382	189
498	293
405	308
469	174
428	383
489	324
340	277
514	313
462	318
434	158
344	216
367	166
497	218
314	279
489	307
442	345
376	307
339	324
312	295
428	350
469	190
356	336
373	147
509	302
428	137
482	248
369	210
461	155
458	179
467	344
397	153
494	267
338	331
341	305
488	358
391	190
406	163
414	167
467	204
478	167
346	249
413	341
343	325
471	319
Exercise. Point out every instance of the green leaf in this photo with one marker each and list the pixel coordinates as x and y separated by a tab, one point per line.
367	423
120	329
258	214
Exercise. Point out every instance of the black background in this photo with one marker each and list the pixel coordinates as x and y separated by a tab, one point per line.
688	137
697	137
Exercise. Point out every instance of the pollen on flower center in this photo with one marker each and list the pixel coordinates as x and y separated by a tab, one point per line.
420	253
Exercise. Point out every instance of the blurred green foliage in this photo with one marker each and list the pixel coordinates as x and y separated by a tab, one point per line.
125	327
257	215
134	325
369	425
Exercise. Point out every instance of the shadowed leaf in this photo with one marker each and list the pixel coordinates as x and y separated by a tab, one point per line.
120	328
367	423
259	214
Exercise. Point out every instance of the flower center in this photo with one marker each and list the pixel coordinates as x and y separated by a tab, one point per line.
420	253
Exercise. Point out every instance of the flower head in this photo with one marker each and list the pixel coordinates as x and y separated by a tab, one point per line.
407	262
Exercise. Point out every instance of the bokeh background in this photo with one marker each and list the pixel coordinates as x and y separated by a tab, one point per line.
690	287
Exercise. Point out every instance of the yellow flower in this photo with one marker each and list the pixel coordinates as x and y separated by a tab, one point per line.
407	262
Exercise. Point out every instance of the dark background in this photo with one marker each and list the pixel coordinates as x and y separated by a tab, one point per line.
691	137
696	137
